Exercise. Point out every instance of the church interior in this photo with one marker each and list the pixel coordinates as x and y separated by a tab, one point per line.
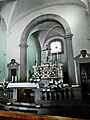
45	57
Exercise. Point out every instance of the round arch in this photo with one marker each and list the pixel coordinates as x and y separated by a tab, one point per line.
68	37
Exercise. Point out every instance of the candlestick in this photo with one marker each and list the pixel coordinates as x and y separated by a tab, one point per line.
57	55
15	78
52	58
46	55
12	78
36	57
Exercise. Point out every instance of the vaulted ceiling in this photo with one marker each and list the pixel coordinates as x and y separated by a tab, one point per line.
16	8
3	2
36	3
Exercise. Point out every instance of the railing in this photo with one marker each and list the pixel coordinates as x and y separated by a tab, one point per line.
6	93
54	95
67	93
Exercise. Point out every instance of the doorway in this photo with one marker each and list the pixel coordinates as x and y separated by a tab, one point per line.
85	79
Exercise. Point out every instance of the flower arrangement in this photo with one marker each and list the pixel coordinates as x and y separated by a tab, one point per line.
56	84
35	78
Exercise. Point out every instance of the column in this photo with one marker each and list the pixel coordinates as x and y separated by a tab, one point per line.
23	62
71	70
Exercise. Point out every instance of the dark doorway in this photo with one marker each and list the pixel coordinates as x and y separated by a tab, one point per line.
85	79
25	95
65	78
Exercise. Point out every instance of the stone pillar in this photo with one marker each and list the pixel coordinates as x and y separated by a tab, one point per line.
71	70
23	62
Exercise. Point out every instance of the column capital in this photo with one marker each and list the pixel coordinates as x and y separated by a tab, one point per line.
23	45
68	36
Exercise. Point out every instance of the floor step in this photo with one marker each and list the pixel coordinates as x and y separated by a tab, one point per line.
23	109
23	104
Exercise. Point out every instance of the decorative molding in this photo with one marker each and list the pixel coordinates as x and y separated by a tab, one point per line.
80	56
68	36
23	45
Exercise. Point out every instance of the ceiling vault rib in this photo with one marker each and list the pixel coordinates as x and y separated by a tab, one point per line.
47	34
13	8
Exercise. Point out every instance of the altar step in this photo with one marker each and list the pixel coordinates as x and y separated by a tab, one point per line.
80	109
75	108
23	107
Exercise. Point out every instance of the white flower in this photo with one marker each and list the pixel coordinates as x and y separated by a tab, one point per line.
64	85
60	85
55	86
35	80
38	80
56	83
46	85
43	90
48	89
59	81
51	81
52	86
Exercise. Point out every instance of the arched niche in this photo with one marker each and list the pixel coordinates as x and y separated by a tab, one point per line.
67	37
61	56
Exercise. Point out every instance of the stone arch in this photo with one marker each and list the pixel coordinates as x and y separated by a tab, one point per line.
3	55
68	37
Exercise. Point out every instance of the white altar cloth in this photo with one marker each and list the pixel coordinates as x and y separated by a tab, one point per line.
22	85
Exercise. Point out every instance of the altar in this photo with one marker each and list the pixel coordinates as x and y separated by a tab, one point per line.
23	85
23	92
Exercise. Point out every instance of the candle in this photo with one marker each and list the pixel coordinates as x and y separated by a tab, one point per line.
57	55
12	78
15	78
52	57
46	53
